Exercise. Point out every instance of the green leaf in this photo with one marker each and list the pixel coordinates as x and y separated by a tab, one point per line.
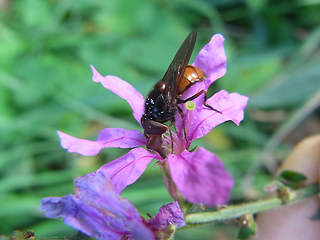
298	83
248	227
291	178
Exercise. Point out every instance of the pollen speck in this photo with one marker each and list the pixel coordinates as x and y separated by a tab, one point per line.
190	105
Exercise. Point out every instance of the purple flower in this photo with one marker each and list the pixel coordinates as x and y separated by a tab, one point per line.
168	214
199	176
165	222
98	211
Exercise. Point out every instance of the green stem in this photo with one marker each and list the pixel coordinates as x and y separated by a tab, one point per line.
235	211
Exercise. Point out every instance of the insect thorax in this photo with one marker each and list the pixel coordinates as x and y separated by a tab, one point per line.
157	109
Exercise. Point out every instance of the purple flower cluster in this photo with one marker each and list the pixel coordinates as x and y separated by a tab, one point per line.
197	176
98	211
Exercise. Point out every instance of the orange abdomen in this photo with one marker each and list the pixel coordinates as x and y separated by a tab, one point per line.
190	76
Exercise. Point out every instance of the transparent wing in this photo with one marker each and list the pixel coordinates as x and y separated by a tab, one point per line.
176	69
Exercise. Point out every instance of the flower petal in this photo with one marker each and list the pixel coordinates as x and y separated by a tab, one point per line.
201	177
97	210
202	120
212	59
124	90
107	138
128	168
79	216
168	214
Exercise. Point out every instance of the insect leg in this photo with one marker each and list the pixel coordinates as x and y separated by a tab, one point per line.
197	95
170	132
183	125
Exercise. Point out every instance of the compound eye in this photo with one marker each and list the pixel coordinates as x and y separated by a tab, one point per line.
160	86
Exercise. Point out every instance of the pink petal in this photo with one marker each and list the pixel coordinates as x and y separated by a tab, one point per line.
124	90
108	137
201	177
128	168
212	59
202	120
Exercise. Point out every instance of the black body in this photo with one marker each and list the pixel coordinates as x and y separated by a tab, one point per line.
161	103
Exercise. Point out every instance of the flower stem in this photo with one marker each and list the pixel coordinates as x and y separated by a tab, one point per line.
235	211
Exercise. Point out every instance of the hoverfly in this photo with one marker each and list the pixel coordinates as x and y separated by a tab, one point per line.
161	104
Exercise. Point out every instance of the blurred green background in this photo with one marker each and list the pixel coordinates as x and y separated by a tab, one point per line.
45	84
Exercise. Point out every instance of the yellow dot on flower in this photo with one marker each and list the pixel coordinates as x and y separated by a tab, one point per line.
190	105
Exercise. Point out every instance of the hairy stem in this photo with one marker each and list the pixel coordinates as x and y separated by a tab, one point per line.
235	211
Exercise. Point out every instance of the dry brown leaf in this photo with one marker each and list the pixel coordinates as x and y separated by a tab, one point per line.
293	222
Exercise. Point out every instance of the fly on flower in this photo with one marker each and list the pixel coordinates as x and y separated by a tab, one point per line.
162	102
197	176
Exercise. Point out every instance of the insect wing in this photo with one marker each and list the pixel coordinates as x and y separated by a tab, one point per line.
176	69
